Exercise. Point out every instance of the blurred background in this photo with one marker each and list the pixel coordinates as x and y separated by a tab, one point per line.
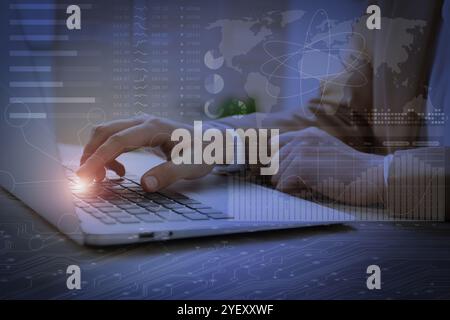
187	60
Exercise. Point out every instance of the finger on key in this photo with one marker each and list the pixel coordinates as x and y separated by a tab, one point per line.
124	141
102	132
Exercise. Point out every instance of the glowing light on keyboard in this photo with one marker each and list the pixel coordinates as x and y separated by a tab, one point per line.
80	186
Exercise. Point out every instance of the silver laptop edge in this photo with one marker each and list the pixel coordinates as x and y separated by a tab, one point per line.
33	172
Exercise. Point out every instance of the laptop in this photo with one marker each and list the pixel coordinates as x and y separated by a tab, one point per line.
118	211
39	172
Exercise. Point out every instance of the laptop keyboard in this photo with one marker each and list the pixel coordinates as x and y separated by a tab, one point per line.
123	201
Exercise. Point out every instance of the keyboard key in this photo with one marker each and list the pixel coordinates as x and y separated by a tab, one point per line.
198	206
90	210
220	216
81	204
173	206
163	201
151	205
184	210
120	202
99	200
110	197
99	215
209	211
129	205
124	192
149	217
128	220
188	201
136	188
195	216
173	195
108	210
137	201
159	209
118	215
128	184
142	201
154	196
171	216
132	197
102	205
107	220
87	198
136	211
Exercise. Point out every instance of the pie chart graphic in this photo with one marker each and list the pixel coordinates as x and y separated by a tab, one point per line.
207	108
213	61
214	83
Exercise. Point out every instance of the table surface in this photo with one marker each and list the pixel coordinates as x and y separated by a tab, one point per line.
316	263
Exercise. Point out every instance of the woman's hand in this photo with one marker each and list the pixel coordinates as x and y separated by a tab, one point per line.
110	140
311	158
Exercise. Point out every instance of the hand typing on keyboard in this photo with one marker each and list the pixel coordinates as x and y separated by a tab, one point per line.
110	140
123	201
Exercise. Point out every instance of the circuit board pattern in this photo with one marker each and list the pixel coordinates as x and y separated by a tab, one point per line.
317	263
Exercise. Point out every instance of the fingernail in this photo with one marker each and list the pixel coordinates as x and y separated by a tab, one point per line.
151	183
79	172
82	175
